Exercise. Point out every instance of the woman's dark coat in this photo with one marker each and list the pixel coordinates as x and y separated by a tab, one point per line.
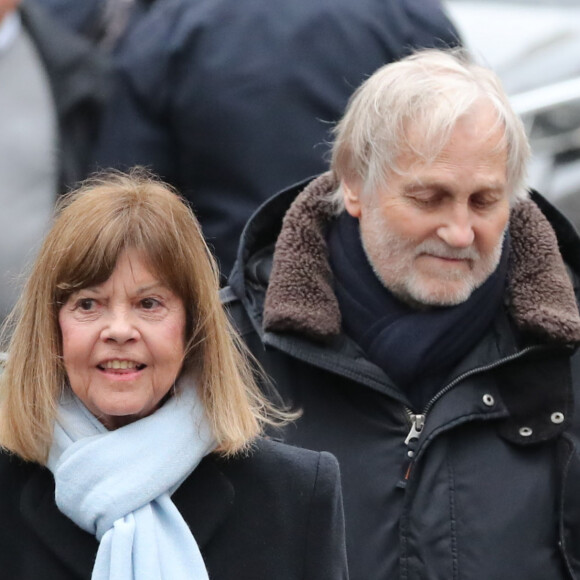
492	489
273	515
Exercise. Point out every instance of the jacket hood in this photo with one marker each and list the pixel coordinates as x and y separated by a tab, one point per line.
300	298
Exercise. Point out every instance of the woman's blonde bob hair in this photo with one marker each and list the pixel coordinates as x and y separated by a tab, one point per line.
108	214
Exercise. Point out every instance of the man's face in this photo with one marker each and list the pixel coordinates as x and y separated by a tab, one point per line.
434	233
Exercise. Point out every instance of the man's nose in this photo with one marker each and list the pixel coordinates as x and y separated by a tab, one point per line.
119	327
457	227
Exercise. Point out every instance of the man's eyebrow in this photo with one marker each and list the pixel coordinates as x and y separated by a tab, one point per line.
421	185
424	185
436	185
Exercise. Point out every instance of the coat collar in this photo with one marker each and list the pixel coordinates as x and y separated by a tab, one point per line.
204	500
540	296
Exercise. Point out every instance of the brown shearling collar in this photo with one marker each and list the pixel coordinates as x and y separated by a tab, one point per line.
300	297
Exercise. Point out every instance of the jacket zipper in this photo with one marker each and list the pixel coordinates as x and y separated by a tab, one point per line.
417	420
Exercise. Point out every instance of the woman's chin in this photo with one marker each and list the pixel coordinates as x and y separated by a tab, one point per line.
113	416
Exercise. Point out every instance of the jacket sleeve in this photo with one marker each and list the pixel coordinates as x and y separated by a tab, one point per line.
325	539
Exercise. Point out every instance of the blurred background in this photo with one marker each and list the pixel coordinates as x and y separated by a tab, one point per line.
534	45
230	102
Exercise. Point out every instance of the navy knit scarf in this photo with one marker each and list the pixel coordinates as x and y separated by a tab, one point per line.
417	349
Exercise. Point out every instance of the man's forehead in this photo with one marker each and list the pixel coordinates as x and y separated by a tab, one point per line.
475	135
433	130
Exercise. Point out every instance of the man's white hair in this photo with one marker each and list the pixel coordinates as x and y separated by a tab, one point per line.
429	90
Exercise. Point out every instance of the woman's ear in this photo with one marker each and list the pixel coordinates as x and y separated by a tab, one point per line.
351	194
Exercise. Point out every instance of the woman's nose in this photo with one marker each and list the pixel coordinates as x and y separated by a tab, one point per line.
119	327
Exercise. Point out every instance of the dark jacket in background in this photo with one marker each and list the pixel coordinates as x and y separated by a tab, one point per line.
82	17
491	488
274	515
231	101
78	78
103	22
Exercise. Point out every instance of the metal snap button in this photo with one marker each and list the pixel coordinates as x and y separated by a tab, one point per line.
488	400
525	431
557	417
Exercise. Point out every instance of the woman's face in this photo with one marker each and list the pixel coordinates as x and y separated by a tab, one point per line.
123	342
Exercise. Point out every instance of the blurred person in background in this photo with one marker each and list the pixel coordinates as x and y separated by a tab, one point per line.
130	420
53	90
232	100
103	22
418	304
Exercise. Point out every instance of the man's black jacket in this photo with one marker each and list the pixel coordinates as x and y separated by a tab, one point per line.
489	489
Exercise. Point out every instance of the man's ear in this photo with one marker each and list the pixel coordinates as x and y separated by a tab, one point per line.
351	194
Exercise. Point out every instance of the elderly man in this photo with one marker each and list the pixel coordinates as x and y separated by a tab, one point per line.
417	303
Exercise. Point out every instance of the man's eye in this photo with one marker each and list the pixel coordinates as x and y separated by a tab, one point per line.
426	201
483	201
149	303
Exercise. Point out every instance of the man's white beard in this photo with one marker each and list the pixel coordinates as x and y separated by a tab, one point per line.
392	258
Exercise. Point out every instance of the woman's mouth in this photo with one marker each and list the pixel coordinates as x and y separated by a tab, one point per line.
122	365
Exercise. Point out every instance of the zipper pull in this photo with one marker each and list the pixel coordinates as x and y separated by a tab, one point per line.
417	423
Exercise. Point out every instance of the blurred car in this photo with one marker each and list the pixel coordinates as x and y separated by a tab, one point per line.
534	46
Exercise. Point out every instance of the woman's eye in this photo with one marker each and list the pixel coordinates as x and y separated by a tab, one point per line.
149	303
85	304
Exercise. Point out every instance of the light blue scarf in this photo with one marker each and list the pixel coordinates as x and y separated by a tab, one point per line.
117	485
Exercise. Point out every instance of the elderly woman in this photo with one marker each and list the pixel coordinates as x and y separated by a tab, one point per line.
130	421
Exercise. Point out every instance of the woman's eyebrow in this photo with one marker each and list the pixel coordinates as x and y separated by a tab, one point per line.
148	287
94	289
